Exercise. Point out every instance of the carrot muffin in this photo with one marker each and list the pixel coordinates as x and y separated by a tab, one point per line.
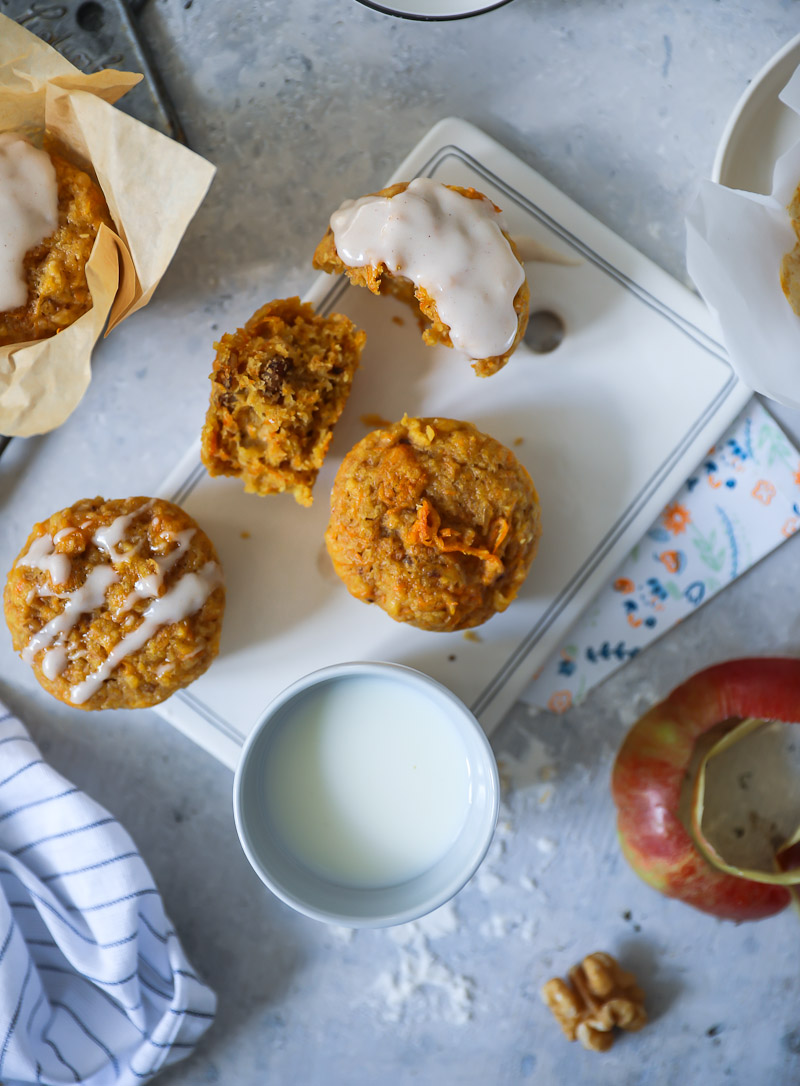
49	277
116	604
442	249
278	388
435	522
790	265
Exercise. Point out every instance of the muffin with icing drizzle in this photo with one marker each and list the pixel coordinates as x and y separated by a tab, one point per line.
50	214
442	249
278	387
116	604
435	522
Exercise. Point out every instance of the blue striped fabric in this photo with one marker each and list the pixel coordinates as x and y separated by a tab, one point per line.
94	985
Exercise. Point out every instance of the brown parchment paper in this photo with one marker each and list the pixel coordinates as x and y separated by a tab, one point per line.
152	185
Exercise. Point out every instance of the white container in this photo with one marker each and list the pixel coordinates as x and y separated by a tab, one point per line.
434	10
367	795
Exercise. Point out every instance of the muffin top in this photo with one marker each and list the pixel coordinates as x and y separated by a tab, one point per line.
54	267
116	604
445	247
435	522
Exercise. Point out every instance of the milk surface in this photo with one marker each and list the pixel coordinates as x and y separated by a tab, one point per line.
367	781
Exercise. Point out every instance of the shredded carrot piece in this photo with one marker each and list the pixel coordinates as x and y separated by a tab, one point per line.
427	531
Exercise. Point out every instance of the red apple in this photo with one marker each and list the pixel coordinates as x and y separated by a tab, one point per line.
653	763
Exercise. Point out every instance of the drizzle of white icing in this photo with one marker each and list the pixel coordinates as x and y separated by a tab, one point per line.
63	533
81	601
111	535
184	598
42	555
54	661
28	211
449	245
149	586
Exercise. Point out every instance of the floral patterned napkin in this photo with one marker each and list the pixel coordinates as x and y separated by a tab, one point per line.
743	500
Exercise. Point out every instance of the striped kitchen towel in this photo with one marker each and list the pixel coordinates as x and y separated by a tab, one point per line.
94	985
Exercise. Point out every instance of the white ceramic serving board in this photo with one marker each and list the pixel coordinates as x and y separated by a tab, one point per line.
610	423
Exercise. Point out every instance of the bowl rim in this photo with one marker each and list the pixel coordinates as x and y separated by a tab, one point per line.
469	13
465	719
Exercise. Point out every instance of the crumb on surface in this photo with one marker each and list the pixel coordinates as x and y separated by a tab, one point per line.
373	419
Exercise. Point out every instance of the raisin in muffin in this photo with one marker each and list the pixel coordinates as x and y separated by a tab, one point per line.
278	387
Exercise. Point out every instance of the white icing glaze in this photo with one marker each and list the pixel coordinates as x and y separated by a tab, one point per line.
447	244
149	587
28	211
109	538
81	601
54	661
184	598
63	533
42	555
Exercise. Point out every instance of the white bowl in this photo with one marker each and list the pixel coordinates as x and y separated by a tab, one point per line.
322	897
434	10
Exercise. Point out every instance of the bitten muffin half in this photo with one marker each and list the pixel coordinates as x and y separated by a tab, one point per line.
55	269
435	522
278	387
442	249
116	604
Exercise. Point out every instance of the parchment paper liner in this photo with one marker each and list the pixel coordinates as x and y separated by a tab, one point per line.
735	242
153	187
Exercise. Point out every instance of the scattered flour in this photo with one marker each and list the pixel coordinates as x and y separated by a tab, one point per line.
487	878
343	935
528	930
530	763
497	926
487	881
423	986
442	921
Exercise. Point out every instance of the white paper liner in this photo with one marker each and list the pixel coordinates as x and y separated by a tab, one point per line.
152	186
735	242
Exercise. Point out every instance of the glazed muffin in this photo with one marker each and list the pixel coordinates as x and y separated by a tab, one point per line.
278	387
116	604
442	249
55	268
435	522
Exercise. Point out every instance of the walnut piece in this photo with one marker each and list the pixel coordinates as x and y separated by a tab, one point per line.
598	996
